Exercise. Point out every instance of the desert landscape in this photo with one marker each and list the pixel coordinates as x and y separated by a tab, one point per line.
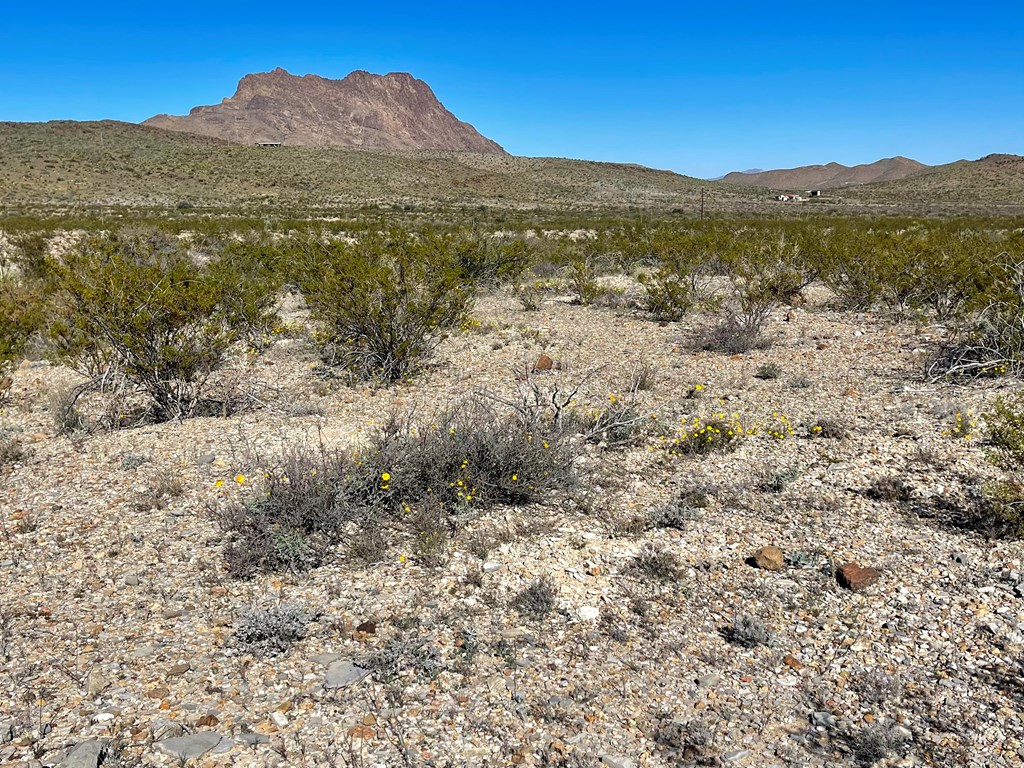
332	434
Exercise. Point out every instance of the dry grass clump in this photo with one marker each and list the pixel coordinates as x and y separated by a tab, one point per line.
271	631
537	600
422	478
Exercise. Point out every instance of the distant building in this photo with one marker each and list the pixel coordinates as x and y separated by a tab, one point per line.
789	197
814	193
268	143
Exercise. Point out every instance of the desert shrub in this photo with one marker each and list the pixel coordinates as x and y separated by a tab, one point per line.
989	342
271	631
11	449
876	742
962	425
748	631
1000	510
489	259
384	303
583	277
537	600
777	480
22	315
889	488
405	656
1005	426
733	336
656	564
686	260
769	372
144	310
765	267
828	428
420	478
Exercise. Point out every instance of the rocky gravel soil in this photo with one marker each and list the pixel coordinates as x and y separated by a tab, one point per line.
686	610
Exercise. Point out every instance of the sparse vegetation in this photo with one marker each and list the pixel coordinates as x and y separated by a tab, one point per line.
273	630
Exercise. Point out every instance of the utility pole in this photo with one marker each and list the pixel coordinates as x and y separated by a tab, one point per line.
702	203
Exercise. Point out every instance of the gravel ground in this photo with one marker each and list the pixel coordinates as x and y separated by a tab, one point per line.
118	621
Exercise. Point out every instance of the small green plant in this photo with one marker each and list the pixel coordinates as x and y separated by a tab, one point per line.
271	631
749	631
1000	511
1005	426
963	426
828	428
699	436
583	279
537	600
769	372
889	488
656	564
11	449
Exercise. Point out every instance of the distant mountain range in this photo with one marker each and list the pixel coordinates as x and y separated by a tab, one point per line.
830	176
361	111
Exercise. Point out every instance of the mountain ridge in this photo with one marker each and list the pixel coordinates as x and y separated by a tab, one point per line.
395	111
830	175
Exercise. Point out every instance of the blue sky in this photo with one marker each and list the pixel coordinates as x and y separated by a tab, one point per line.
697	87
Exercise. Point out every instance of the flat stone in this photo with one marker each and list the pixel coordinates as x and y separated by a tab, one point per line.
617	761
165	729
770	558
6	732
206	458
280	719
342	674
189	747
709	681
588	612
88	754
325	658
490	566
735	755
252	739
132	580
544	363
855	577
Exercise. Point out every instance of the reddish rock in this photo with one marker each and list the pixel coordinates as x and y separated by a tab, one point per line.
769	558
855	577
367	628
544	363
793	663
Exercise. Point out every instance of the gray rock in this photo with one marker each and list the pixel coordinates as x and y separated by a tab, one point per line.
825	719
252	739
961	557
189	747
735	756
6	563
132	580
88	754
709	681
617	761
7	732
491	567
96	683
342	674
206	458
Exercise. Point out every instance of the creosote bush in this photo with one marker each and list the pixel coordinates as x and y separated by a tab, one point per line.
537	600
420	478
142	309
384	303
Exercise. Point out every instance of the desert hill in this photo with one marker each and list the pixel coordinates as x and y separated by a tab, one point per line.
830	176
109	163
363	111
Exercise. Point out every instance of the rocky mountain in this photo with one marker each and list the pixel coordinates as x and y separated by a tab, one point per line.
362	111
830	176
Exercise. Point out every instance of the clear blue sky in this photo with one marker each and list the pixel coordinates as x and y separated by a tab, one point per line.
700	88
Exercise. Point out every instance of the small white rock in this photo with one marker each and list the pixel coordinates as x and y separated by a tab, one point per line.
588	612
279	719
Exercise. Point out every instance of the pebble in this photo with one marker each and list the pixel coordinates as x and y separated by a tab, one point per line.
770	558
735	756
280	719
132	580
588	612
616	761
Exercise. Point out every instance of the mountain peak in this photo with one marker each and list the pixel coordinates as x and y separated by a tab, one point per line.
830	176
395	111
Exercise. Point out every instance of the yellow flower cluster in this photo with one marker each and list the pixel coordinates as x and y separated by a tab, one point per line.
717	433
780	428
963	425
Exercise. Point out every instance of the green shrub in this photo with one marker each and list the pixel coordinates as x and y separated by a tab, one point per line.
583	277
1005	424
22	315
719	433
385	302
143	309
1000	512
686	260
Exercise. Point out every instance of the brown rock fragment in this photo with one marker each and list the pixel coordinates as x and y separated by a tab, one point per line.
855	577
769	558
544	363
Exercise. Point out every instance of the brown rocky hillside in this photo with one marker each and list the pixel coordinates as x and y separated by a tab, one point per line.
830	176
366	111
